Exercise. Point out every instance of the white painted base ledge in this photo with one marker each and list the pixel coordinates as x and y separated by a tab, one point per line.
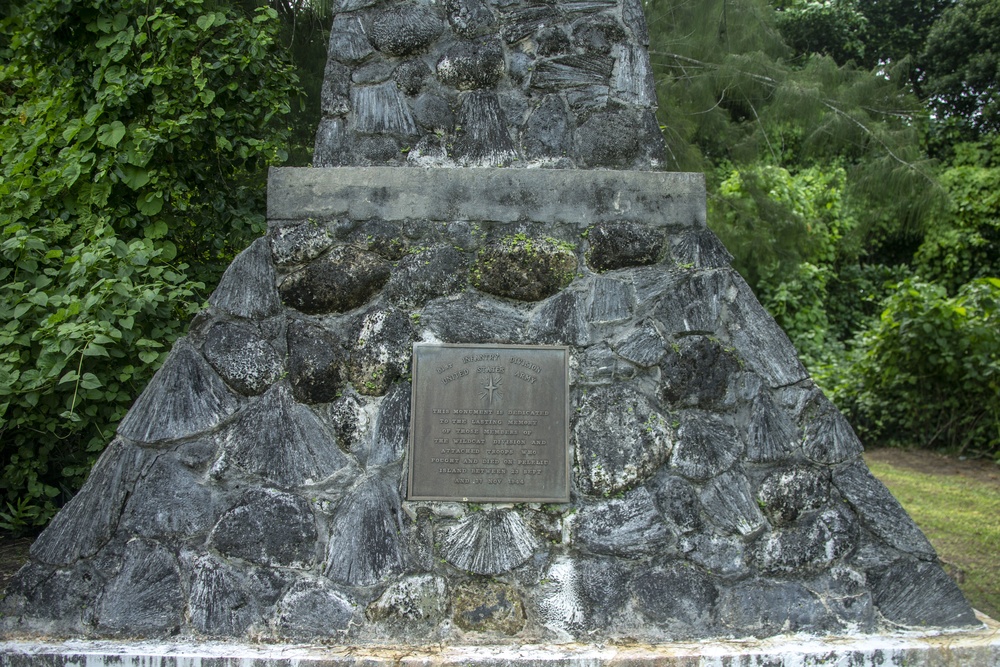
976	648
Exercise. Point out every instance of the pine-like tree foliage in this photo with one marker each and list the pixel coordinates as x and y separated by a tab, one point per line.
733	95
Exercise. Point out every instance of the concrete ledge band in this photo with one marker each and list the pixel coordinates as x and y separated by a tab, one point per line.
571	196
975	648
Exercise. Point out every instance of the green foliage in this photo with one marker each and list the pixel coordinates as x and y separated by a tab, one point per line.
961	63
929	370
134	140
834	28
965	243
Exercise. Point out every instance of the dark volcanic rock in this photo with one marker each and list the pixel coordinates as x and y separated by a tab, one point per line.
677	502
145	596
295	244
410	77
317	364
678	597
561	320
621	439
335	95
487	606
629	526
474	318
405	29
771	434
915	594
314	608
267	527
227	600
524	268
489	542
184	398
247	287
546	133
470	17
764	608
421	597
485	138
244	359
281	441
814	542
365	531
426	275
697	371
644	346
786	493
880	512
620	245
608	139
90	519
348	42
610	301
433	113
828	436
729	503
707	445
472	65
380	109
341	280
392	427
381	352
170	502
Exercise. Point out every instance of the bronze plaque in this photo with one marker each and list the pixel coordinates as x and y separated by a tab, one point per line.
488	423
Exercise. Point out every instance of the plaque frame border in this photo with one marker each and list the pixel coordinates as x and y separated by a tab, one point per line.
565	496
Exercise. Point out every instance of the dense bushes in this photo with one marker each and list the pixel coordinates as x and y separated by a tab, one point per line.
134	140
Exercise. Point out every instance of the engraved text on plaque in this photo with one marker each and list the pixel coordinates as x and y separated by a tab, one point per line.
489	423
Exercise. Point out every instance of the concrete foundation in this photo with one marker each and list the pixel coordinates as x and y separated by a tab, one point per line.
972	648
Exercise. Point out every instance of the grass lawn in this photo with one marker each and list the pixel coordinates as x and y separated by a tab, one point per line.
959	513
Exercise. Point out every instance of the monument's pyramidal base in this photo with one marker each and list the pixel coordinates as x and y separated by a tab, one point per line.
625	448
257	488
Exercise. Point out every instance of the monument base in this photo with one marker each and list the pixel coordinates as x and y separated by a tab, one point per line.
978	647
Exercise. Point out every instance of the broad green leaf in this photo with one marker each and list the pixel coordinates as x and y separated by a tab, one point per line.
150	203
206	21
135	177
110	134
156	230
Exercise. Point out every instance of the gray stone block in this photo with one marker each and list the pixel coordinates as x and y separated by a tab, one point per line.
245	359
247	287
269	528
145	596
341	280
489	542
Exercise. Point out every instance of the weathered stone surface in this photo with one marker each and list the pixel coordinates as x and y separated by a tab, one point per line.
375	71
643	346
348	43
332	147
474	318
247	287
699	249
828	436
764	607
335	95
572	71
402	30
632	77
267	527
426	275
244	359
472	65
677	501
692	303
621	439
603	140
421	597
610	301
381	237
915	594
845	593
410	77
635	21
50	601
295	244
90	519
524	268
317	364
145	596
341	280
629	526
761	342
470	17
489	542
706	445
280	441
227	601
433	113
168	502
381	351
623	244
600	365
561	320
487	606
788	492
697	372
392	427
729	503
364	535
485	139
771	434
814	542
381	109
678	598
314	608
546	133
880	512
184	398
721	555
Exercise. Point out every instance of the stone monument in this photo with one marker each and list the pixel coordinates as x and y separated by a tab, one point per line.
488	379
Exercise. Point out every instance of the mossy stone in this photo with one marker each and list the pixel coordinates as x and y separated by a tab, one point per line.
524	268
